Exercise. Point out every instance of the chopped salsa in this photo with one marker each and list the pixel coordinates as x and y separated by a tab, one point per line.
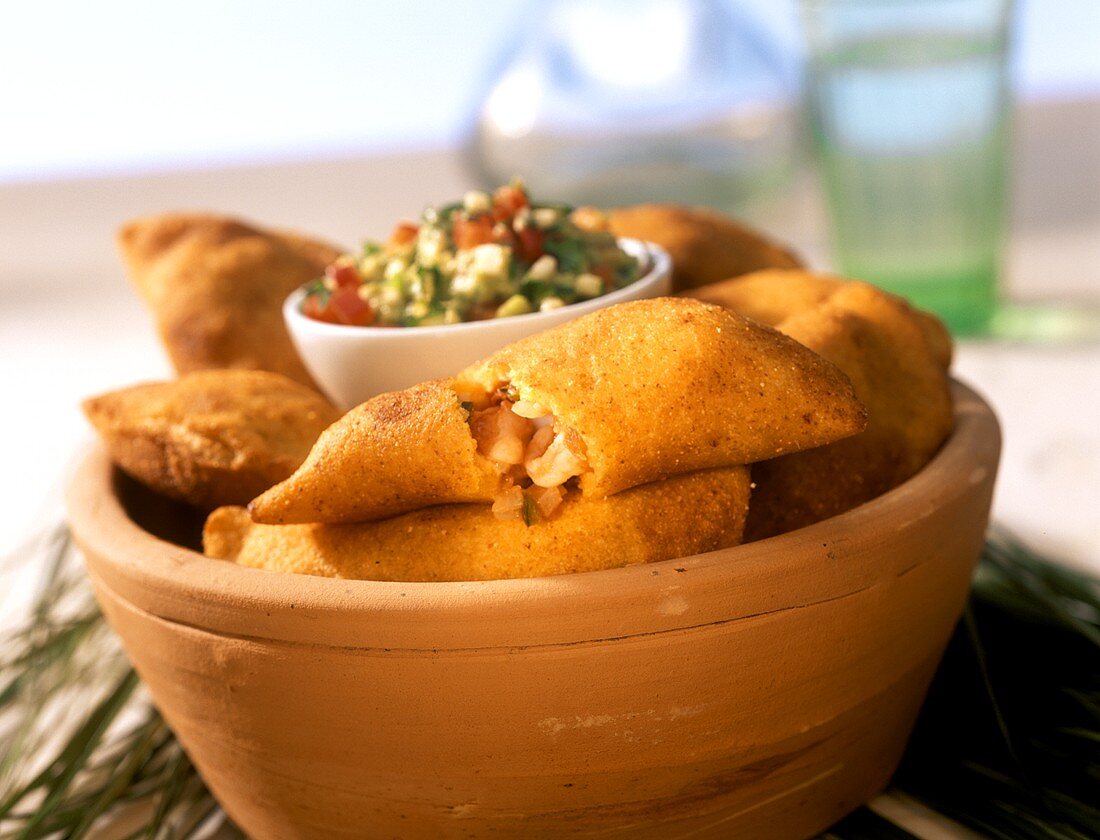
488	256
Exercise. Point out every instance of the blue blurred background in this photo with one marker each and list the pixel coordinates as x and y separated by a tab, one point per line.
127	86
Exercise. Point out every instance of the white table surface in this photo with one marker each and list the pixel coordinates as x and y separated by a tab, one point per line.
70	326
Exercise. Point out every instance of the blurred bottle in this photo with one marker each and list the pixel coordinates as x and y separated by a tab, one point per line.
620	101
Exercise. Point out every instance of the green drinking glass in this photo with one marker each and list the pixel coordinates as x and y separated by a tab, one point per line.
909	106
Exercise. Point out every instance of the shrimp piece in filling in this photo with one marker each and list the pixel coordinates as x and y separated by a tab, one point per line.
537	458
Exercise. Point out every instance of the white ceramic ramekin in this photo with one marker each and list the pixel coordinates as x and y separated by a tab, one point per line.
353	364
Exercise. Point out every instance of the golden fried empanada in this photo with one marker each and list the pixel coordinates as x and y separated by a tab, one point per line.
216	288
213	437
394	453
774	295
705	245
769	296
618	398
894	356
681	516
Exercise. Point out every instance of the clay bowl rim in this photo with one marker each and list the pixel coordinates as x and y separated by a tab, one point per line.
800	568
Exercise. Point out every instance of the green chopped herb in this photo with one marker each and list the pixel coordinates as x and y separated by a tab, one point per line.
530	511
570	254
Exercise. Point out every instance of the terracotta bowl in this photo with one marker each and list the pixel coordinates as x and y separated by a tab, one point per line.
761	691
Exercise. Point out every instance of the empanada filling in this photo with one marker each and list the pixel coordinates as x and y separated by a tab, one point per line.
537	457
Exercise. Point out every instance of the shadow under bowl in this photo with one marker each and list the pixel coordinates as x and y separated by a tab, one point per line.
755	692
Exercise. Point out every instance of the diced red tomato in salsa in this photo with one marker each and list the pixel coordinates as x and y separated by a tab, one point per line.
404	233
469	233
343	274
530	244
507	201
605	273
344	306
